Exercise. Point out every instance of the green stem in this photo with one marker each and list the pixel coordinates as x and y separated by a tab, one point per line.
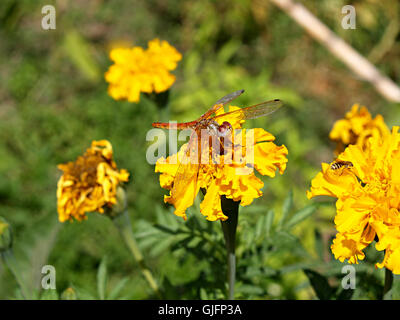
11	263
388	282
231	209
124	226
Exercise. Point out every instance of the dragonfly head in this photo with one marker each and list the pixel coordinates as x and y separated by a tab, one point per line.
224	129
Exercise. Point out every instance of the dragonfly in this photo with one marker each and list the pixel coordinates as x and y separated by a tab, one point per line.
188	168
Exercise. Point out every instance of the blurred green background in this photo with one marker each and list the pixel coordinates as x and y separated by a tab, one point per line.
54	102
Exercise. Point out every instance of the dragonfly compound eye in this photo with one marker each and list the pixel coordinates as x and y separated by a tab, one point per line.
224	128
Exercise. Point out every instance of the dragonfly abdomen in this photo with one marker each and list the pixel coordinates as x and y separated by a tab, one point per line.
173	125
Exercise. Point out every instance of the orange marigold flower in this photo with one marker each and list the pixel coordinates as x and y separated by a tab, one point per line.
368	193
356	128
233	178
137	70
90	183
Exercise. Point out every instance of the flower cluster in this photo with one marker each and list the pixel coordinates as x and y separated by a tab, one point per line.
368	202
90	183
233	178
137	70
356	128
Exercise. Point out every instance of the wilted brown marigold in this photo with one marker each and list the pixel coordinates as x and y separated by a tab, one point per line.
90	183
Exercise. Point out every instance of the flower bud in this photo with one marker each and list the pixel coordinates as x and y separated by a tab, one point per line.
120	206
68	294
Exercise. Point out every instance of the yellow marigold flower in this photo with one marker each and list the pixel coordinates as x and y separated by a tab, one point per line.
137	70
357	127
90	183
234	179
368	193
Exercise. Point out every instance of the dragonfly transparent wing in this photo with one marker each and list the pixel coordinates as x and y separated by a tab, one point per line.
196	152
259	110
221	102
187	172
229	97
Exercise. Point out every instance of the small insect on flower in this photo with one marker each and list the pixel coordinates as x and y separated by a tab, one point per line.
368	200
341	164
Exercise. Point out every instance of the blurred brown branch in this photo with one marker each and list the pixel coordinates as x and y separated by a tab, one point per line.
339	48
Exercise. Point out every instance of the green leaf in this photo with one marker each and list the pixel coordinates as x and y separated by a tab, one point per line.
83	294
49	294
300	216
319	244
117	289
102	279
228	51
161	246
79	51
283	241
203	294
320	284
345	294
396	287
286	207
250	289
260	227
269	222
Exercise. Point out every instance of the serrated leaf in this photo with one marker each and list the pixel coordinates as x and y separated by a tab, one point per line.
300	216
150	241
253	209
165	229
269	222
49	294
320	284
160	247
250	289
117	289
83	294
259	227
102	279
286	207
345	294
203	294
396	287
194	242
252	272
319	244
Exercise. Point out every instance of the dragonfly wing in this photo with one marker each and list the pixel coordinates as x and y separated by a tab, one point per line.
185	181
221	102
217	105
259	110
229	97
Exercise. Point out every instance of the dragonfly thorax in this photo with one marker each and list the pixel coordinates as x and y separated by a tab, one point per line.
213	128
